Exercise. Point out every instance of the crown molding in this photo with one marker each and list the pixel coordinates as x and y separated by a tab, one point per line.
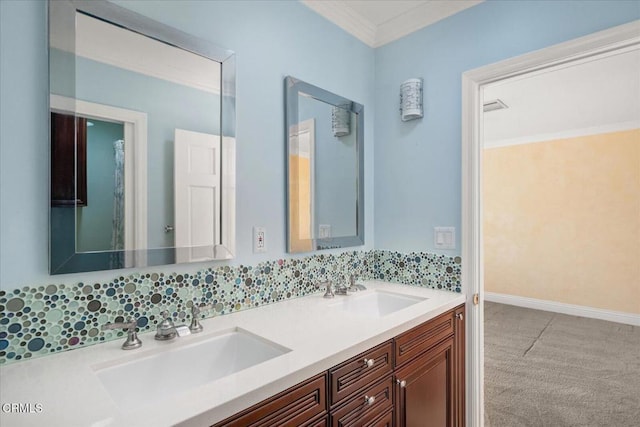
346	18
397	27
418	18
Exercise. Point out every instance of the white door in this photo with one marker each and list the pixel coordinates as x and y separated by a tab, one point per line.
197	195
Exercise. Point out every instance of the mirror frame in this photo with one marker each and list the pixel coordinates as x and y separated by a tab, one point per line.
293	88
63	12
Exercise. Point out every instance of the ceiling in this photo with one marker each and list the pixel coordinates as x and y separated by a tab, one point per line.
378	22
594	96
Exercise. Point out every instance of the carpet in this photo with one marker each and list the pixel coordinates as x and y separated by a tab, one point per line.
546	369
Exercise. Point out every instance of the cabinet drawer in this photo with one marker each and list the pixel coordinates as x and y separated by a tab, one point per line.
421	338
384	420
300	405
320	422
359	412
354	374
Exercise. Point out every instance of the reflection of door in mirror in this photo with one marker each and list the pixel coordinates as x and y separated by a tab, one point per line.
197	195
301	186
100	223
112	150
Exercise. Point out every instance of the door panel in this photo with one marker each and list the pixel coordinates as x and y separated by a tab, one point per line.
197	195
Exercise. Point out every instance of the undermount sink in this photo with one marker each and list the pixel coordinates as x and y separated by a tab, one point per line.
171	372
376	303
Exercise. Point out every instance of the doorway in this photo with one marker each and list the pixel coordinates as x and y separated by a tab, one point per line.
473	82
134	147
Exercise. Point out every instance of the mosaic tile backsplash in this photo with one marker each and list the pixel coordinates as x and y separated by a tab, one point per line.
36	321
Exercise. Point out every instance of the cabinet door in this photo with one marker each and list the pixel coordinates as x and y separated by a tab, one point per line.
425	389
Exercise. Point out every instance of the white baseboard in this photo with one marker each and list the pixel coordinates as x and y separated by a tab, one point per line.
560	307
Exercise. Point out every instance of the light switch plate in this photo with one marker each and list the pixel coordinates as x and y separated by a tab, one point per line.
444	237
324	231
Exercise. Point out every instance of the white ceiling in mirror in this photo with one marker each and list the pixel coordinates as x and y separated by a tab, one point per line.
95	40
378	22
594	96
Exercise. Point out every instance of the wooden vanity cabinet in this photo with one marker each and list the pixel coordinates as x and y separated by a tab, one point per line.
302	405
415	380
429	373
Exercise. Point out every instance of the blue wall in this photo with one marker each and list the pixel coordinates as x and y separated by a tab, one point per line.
417	163
272	39
417	179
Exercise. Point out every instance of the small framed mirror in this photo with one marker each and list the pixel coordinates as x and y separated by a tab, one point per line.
325	169
142	141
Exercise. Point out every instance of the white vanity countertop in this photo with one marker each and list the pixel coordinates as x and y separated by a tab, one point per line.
319	336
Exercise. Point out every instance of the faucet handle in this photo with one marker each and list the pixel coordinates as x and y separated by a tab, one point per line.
353	287
195	326
195	308
132	337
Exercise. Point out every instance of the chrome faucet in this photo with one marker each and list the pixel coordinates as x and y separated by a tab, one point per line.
132	337
341	290
328	288
353	286
166	329
195	326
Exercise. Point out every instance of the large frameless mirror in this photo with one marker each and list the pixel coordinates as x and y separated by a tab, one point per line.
325	169
142	142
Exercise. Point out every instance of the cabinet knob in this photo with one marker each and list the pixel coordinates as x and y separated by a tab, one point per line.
402	383
369	400
369	363
460	316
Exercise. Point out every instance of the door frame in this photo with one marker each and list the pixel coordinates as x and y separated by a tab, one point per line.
621	37
135	174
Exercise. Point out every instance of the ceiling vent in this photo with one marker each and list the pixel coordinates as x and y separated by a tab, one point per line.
493	105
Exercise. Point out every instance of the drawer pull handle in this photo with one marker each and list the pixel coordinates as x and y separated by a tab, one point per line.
460	316
369	363
402	383
369	400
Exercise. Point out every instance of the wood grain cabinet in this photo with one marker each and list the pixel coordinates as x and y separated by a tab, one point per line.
415	380
302	405
429	386
360	371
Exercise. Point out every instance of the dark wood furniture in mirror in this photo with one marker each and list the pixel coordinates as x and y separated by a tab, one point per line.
68	138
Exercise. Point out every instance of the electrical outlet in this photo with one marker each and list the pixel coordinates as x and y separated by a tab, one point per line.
259	239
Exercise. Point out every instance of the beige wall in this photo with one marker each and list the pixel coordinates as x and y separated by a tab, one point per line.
562	220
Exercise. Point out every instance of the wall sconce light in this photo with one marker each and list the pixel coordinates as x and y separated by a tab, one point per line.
341	120
411	99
